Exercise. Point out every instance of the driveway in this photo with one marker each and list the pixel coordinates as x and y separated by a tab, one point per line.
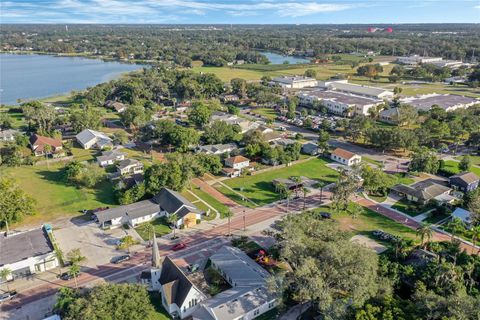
97	245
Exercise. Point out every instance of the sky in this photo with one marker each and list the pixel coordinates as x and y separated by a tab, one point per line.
240	11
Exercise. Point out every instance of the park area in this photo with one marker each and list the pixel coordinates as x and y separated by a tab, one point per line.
54	197
259	188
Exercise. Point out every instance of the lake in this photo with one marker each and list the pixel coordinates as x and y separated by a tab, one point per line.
276	58
28	76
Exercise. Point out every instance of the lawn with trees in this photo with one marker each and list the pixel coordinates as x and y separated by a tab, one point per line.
259	187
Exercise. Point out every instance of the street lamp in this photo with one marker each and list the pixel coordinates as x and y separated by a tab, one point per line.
244	223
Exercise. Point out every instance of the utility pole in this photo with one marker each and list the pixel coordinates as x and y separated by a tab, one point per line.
244	222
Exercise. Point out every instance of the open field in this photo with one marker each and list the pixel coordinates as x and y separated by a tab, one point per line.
369	221
268	113
475	160
411	208
259	187
452	166
54	197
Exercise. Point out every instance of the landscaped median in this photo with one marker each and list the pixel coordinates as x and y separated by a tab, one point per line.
259	188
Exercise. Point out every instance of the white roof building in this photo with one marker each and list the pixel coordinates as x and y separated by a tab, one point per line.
448	102
417	59
295	82
90	138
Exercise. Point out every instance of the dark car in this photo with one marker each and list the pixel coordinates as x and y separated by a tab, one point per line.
65	276
325	215
179	246
120	259
7	296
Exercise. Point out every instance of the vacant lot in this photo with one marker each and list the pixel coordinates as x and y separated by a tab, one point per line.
259	187
54	197
368	221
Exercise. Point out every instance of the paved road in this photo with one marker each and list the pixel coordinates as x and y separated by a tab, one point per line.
243	217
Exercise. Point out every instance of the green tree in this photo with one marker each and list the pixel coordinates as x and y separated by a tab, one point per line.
15	204
323	138
5	273
465	163
85	118
149	229
127	242
200	114
74	271
311	73
424	160
75	256
227	213
220	132
345	187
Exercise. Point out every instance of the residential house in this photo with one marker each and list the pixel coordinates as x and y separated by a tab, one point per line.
117	106
345	157
8	134
27	253
283	142
110	157
247	299
463	215
172	202
310	148
216	148
465	181
425	191
41	145
129	167
295	82
391	116
229	98
179	295
165	203
93	139
235	165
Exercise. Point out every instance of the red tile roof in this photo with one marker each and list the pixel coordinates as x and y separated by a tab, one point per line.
344	154
41	141
237	159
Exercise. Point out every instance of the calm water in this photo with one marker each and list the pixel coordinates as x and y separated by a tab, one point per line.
39	76
276	58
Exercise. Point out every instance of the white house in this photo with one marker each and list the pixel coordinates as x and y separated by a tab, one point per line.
90	138
234	165
8	134
295	82
345	157
180	297
27	253
165	203
216	148
110	157
129	167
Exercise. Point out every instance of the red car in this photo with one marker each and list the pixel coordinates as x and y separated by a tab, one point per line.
179	246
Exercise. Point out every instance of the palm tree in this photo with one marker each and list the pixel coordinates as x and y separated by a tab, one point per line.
4	274
297	181
75	256
74	271
228	214
456	225
475	236
321	185
425	232
288	195
149	229
172	219
305	192
47	149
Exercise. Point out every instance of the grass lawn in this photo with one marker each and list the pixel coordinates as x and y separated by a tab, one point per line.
377	198
268	113
159	313
81	154
475	160
369	221
160	225
259	187
464	234
372	161
436	218
405	179
452	166
411	208
217	205
54	197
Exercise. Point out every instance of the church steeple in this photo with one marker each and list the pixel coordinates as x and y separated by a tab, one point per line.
156	262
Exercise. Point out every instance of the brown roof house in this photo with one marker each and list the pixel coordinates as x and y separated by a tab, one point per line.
235	165
45	145
425	191
345	157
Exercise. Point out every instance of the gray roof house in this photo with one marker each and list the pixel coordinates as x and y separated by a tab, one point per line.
248	297
110	157
216	148
310	148
424	191
129	167
166	202
465	181
8	134
90	138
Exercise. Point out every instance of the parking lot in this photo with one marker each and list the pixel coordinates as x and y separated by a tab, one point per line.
97	245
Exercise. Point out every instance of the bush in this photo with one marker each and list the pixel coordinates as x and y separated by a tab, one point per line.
199	221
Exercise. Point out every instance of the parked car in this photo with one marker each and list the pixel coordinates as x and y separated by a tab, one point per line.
179	246
120	259
65	276
325	215
7	296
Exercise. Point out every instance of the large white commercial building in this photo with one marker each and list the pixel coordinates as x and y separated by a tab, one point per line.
27	253
356	89
339	103
295	82
448	102
417	59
